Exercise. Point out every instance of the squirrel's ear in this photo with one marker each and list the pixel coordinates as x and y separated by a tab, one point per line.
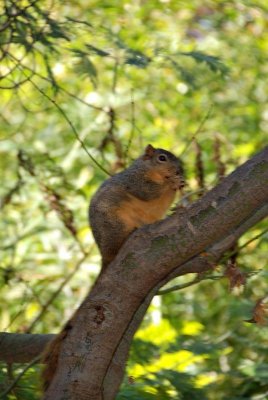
149	152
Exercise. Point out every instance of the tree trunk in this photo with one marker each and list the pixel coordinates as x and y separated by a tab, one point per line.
148	258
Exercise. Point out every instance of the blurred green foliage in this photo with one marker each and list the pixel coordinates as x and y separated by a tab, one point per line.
108	77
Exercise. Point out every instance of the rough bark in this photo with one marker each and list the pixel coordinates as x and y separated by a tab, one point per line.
147	259
198	264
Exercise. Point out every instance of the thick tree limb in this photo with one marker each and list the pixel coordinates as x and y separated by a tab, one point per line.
198	264
147	258
22	348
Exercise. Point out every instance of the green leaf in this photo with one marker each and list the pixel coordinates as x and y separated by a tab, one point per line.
213	62
187	76
56	30
84	66
97	51
137	58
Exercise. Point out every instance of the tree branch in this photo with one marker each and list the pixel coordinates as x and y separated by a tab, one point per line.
198	264
151	255
21	348
16	380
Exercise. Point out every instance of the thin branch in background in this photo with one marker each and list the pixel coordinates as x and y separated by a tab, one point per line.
16	130
116	142
63	113
194	281
6	45
21	237
133	125
23	306
78	99
10	68
237	249
51	299
221	170
227	256
199	129
57	292
81	22
34	296
253	239
21	97
54	199
7	198
199	167
15	85
115	76
45	78
12	16
15	65
110	137
56	203
17	379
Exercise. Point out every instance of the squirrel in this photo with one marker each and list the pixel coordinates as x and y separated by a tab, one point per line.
139	195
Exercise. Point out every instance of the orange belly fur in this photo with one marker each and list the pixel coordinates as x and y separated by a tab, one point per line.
135	212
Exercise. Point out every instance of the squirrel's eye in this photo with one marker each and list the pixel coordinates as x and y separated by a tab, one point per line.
162	158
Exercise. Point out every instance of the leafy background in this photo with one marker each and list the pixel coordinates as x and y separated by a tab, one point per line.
88	82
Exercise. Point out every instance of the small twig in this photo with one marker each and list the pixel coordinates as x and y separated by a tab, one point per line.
110	137
217	158
23	306
63	113
12	17
80	22
21	237
236	249
16	380
115	75
16	63
199	167
199	129
7	198
45	78
196	280
133	125
199	278
57	292
252	240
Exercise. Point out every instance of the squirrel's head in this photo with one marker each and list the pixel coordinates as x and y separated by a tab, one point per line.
164	166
